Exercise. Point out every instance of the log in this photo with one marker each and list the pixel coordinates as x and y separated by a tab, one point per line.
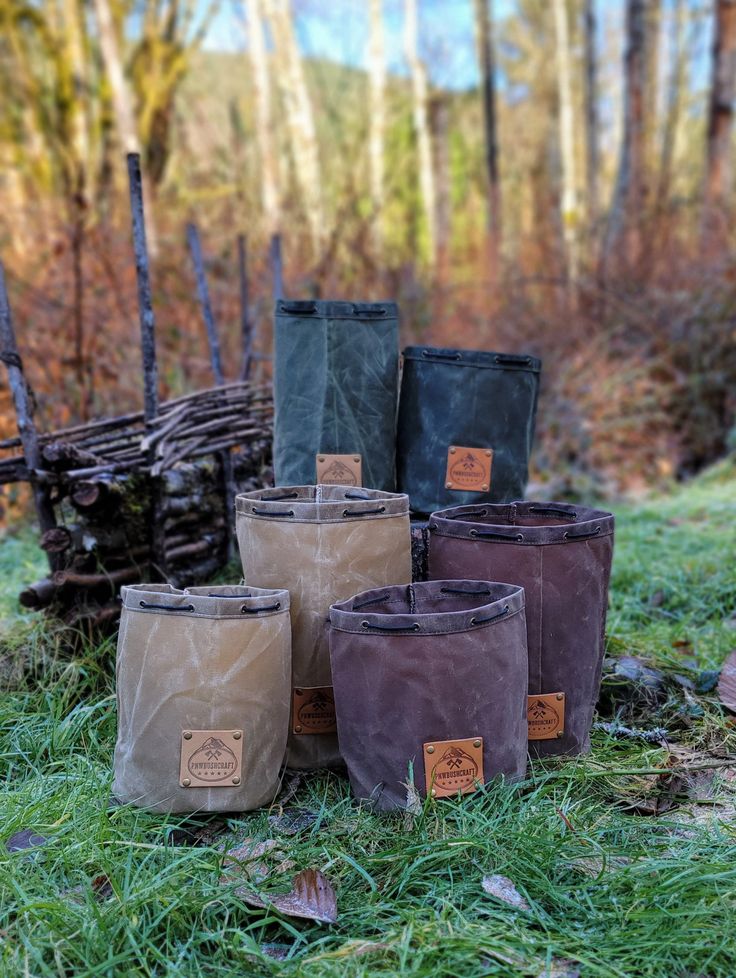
66	578
202	546
65	455
56	540
38	595
89	493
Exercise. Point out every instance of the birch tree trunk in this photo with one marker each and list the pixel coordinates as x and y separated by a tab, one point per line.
264	120
719	169
624	230
299	115
122	102
592	128
675	87
420	104
487	65
377	133
569	195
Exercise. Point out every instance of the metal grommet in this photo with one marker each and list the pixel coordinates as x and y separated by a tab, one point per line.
186	782
488	454
452	451
237	735
430	749
560	696
364	624
356	458
519	537
484	488
298	728
236	780
187	735
416	626
472	621
477	743
473	533
320	458
448	485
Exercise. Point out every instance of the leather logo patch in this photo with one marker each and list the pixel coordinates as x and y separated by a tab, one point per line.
453	766
210	758
313	710
339	470
545	713
468	469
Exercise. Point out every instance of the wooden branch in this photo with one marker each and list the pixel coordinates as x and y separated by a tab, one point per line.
64	455
145	303
213	341
247	330
38	595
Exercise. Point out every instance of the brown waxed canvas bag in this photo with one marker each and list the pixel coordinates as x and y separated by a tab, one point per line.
561	555
322	543
203	678
430	682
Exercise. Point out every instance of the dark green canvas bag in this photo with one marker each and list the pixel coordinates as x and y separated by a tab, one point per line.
336	369
466	426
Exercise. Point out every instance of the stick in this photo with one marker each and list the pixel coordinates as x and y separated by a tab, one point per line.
204	301
246	327
22	399
145	304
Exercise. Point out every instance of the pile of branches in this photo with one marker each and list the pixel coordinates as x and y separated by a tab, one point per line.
135	501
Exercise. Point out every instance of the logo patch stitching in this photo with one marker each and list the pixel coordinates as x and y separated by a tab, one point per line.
339	470
468	469
313	710
453	766
545	713
210	758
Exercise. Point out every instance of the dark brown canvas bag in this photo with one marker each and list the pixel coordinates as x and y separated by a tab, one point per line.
322	543
561	555
203	679
430	685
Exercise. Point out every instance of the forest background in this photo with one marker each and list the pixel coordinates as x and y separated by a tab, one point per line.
545	176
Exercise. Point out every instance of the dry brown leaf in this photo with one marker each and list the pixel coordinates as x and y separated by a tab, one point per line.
249	858
292	820
25	839
595	866
311	897
727	683
503	889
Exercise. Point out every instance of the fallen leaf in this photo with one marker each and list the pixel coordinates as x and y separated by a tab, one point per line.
25	839
311	897
292	783
727	683
197	835
503	889
102	887
292	820
666	788
560	968
249	857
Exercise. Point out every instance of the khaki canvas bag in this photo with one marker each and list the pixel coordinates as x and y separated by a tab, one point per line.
203	679
323	544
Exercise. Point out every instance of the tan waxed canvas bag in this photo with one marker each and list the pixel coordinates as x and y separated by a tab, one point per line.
323	544
203	681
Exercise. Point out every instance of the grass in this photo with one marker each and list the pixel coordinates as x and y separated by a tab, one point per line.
120	892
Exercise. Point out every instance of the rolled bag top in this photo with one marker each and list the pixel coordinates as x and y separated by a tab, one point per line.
522	523
427	608
216	601
332	309
321	504
488	360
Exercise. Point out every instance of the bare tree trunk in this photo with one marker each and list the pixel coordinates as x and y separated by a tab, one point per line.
719	169
300	118
652	87
487	63
592	128
440	120
264	120
122	103
376	139
675	88
624	230
569	195
420	99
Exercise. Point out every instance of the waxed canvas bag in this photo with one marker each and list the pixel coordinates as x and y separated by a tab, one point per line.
561	555
336	369
466	426
203	679
430	687
322	543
